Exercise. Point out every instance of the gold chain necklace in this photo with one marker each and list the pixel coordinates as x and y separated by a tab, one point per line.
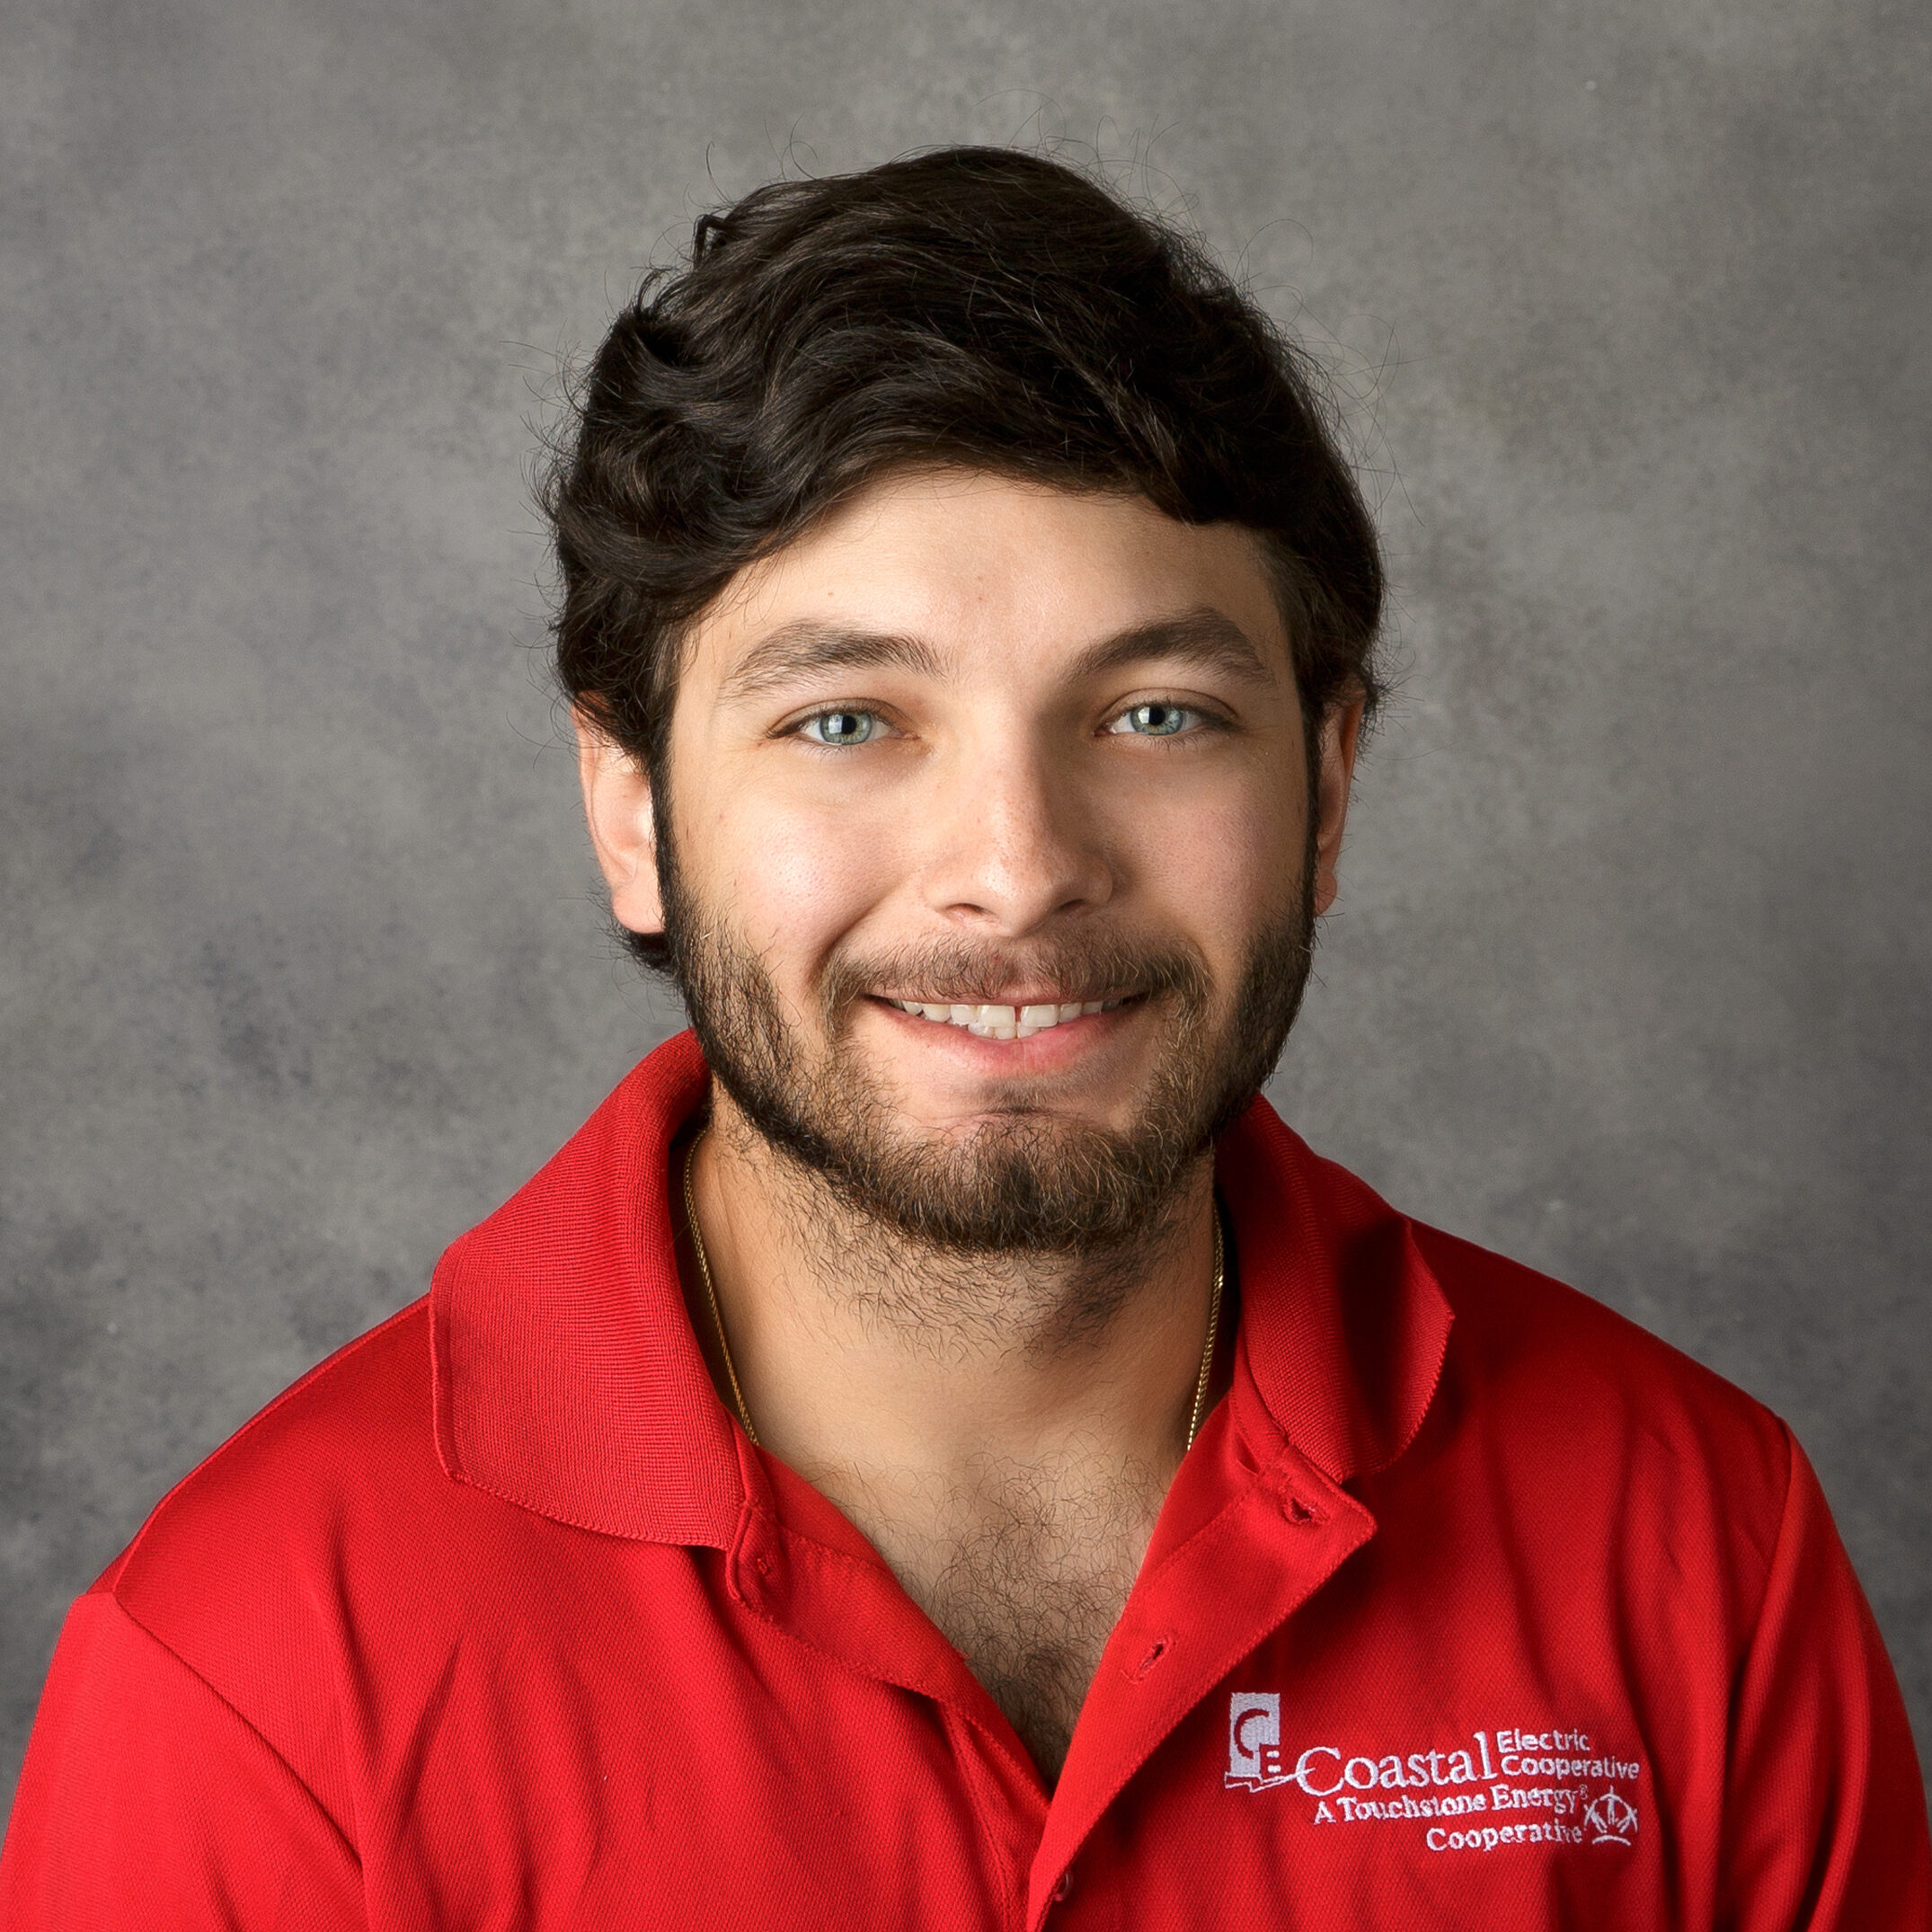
730	1371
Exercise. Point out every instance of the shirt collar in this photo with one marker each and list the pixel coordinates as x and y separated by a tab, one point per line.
568	1380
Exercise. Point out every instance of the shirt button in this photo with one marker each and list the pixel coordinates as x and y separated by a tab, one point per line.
1063	1891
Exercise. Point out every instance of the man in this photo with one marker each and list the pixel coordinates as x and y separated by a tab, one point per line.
935	1451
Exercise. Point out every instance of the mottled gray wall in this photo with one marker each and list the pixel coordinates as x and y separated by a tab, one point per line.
303	966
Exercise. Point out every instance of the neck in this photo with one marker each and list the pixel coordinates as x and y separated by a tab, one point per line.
864	1357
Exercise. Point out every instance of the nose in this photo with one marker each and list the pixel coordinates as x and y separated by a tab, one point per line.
1016	843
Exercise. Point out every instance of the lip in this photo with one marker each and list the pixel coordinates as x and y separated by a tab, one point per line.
1051	1050
1027	993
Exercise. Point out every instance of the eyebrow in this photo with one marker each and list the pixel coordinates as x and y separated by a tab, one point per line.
1202	637
799	649
805	647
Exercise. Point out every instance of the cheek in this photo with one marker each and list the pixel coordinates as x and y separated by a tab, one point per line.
792	880
1225	867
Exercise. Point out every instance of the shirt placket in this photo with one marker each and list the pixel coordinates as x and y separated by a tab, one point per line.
855	1612
1196	1612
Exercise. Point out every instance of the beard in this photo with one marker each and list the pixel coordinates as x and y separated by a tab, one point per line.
1023	1178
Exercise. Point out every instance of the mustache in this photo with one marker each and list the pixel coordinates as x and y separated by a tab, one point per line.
1084	967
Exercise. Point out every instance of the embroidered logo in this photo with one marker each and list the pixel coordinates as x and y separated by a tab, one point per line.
1254	1727
1485	1784
1612	1817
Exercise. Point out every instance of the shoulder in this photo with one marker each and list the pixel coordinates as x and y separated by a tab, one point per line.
1613	1411
353	1435
249	1573
282	1559
1536	1334
1374	1336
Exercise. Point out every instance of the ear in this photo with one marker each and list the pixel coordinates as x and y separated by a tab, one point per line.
617	807
1340	736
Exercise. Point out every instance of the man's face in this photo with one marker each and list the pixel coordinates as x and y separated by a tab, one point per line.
1008	755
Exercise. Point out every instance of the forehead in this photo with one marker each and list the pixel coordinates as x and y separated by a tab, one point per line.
995	572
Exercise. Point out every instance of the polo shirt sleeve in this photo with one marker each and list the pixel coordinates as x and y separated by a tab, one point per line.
147	1800
1825	1819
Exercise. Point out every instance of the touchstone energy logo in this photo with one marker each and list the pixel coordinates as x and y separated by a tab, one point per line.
1564	1779
1612	1818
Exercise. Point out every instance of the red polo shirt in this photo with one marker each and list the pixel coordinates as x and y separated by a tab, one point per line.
1472	1606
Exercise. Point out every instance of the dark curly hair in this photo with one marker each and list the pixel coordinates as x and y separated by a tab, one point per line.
973	306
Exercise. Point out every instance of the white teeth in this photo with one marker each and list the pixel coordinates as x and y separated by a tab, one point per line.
996	1022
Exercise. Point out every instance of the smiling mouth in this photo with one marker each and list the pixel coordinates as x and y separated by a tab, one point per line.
1007	1022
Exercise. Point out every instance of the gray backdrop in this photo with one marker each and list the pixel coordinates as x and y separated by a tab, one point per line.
304	969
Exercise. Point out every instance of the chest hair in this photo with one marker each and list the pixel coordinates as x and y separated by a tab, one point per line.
1025	1570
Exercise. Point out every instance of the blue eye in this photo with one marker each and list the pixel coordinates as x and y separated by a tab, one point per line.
841	727
1154	721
